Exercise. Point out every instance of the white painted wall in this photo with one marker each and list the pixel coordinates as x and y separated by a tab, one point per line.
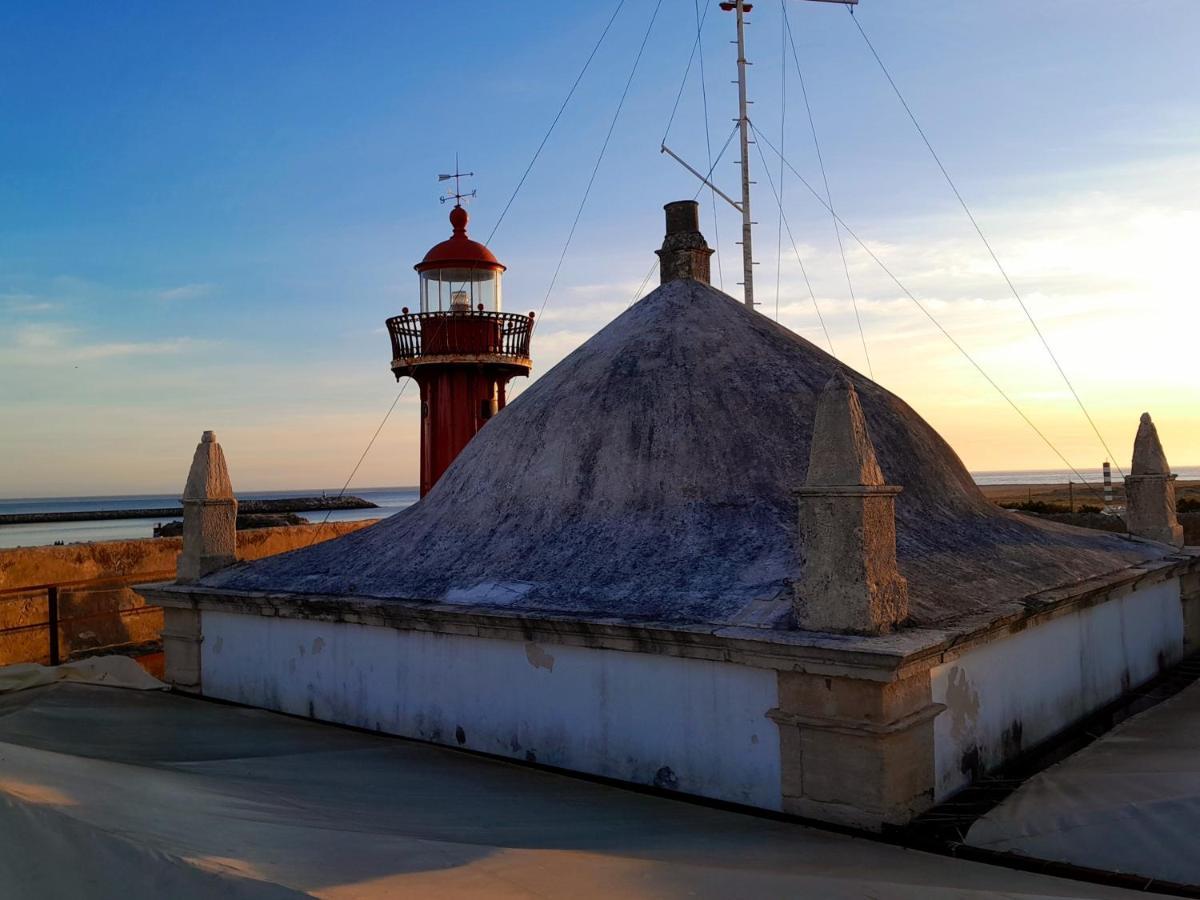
698	726
1042	679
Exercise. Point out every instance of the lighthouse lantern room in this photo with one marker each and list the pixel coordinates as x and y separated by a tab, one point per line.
461	349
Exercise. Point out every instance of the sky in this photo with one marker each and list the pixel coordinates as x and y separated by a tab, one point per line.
208	210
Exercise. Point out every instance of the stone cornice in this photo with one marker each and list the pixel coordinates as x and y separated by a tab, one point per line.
874	658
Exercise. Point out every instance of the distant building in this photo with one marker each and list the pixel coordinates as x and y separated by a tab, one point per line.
460	348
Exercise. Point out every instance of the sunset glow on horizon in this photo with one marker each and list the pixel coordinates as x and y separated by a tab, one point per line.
205	228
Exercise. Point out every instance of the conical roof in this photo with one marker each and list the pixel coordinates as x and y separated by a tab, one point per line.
649	476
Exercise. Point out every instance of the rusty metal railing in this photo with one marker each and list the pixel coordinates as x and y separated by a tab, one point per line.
424	336
17	622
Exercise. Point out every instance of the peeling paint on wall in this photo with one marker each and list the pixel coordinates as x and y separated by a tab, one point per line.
696	726
1008	695
538	658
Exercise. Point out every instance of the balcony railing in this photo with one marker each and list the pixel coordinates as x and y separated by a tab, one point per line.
427	337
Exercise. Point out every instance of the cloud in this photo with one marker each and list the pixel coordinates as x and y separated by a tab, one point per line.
26	304
49	344
185	292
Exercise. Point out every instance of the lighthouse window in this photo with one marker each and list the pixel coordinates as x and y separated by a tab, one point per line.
444	290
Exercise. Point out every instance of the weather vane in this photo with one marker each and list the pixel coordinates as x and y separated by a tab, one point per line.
457	196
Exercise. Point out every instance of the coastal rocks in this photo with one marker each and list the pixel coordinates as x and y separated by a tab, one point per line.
1150	489
847	525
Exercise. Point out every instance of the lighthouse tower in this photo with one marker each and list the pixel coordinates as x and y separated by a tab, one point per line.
460	348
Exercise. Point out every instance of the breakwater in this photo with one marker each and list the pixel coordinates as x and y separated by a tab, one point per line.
247	507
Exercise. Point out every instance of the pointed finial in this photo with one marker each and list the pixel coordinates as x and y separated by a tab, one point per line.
841	451
1148	455
208	478
1150	489
851	582
209	514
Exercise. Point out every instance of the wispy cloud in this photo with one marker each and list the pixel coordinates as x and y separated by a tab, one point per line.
35	344
185	292
26	304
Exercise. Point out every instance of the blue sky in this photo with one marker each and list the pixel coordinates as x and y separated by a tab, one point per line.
209	210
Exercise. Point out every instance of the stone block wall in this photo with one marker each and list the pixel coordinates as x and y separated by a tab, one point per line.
97	615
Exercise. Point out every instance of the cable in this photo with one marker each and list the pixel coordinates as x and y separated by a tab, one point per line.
638	293
596	168
683	84
782	135
354	471
828	194
697	46
986	243
803	270
707	177
708	139
558	115
928	314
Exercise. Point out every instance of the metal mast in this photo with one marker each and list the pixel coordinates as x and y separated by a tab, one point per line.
741	8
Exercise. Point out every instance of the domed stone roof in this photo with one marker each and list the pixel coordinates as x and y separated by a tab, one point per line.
649	476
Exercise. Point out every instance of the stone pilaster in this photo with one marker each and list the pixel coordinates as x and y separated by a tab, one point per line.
1150	490
209	544
181	648
684	253
209	514
856	752
851	583
1189	597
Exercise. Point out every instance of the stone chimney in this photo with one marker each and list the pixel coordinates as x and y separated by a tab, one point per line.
1150	490
684	252
209	514
851	583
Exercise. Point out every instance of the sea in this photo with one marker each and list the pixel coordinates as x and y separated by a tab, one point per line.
389	500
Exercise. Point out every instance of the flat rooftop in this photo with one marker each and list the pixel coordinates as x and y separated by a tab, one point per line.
116	793
1129	802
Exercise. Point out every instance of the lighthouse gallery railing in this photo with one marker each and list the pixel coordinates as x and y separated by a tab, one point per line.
476	333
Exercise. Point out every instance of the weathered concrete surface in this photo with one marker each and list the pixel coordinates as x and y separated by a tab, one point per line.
650	475
1150	489
1130	802
1004	697
570	707
847	526
111	794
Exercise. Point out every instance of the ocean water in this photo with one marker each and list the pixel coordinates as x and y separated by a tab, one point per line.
1062	476
389	500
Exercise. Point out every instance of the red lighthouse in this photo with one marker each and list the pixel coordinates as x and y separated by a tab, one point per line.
460	348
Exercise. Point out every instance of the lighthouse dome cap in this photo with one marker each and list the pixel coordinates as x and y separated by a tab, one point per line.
651	476
459	251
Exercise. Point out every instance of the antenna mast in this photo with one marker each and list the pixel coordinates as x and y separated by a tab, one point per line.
743	120
741	7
